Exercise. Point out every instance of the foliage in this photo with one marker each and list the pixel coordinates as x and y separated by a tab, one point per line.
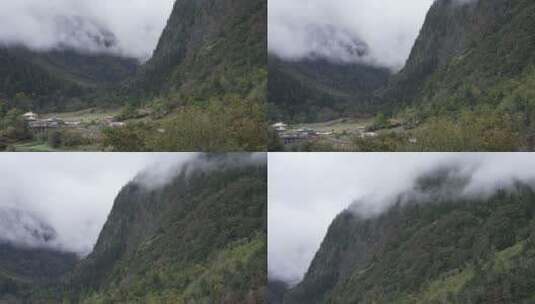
274	142
380	122
54	80
13	127
389	142
483	64
202	58
442	250
66	138
317	90
54	139
471	131
129	112
199	239
232	125
130	138
204	54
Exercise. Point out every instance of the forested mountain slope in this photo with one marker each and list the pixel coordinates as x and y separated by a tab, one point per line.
200	238
209	48
470	53
205	83
27	259
51	79
318	90
433	246
195	235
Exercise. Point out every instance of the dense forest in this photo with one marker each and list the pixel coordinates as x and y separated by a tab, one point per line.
432	246
200	238
318	90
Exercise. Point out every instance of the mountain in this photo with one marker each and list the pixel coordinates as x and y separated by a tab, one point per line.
197	234
50	79
468	54
27	257
205	83
317	89
209	48
200	238
275	291
433	246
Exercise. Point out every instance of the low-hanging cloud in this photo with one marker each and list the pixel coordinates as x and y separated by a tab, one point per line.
62	200
125	27
307	191
377	32
160	173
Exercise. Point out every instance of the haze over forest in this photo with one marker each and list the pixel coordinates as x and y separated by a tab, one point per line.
307	191
128	28
388	28
72	194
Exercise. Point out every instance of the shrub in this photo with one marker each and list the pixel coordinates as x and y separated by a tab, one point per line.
471	131
55	139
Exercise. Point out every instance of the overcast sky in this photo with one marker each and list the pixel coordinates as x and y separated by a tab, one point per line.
74	192
136	24
388	27
307	190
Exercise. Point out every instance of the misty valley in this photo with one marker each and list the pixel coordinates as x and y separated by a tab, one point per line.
192	231
466	83
201	89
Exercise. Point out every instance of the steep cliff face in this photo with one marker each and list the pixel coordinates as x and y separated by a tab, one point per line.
435	250
200	238
466	51
319	90
209	48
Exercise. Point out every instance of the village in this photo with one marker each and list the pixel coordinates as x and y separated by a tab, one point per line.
335	131
42	124
342	134
82	130
290	135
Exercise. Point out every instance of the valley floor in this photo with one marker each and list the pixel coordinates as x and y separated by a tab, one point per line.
77	130
466	131
341	134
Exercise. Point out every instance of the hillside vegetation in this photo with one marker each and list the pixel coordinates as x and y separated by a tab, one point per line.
475	59
207	80
199	238
466	86
318	90
204	88
56	80
442	249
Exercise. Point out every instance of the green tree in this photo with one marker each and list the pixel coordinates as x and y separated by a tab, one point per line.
55	139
